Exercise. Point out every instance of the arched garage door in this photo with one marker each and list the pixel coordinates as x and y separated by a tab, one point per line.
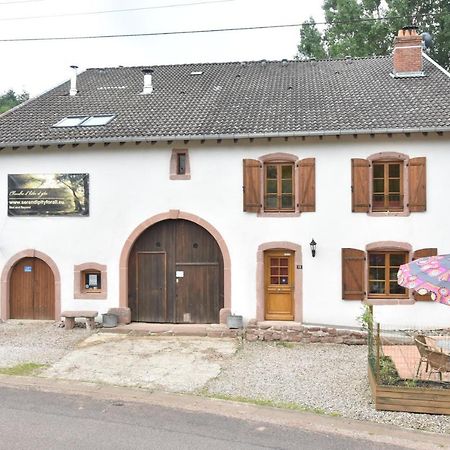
175	272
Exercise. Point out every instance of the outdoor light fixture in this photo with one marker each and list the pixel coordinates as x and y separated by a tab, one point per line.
313	244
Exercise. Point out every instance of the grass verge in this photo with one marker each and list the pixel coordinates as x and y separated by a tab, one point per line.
23	369
271	403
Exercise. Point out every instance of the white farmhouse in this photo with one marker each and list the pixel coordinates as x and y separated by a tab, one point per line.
187	192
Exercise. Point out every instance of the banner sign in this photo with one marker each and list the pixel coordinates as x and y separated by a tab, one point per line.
61	194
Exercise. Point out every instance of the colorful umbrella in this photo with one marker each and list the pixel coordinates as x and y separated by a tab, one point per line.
428	275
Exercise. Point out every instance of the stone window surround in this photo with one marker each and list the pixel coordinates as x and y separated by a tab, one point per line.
81	294
390	156
280	157
6	274
176	214
387	246
298	275
174	175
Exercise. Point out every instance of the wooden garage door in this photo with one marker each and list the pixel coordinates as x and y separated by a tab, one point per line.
32	290
175	274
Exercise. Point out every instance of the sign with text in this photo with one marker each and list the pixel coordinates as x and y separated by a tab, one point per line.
61	194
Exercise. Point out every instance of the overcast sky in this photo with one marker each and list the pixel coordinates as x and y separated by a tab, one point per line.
39	66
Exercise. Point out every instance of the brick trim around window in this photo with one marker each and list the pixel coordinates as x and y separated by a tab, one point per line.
80	292
175	172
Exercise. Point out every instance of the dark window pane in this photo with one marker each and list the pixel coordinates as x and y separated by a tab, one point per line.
284	262
376	287
271	171
378	185
181	166
397	259
271	186
394	288
286	172
394	170
378	201
394	199
378	171
286	186
377	273
283	271
283	280
376	259
394	185
287	201
274	271
274	280
271	202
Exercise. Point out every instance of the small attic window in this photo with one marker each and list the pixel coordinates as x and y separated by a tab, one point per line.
71	121
197	73
85	121
97	120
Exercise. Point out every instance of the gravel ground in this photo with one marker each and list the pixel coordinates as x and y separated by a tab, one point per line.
326	376
36	341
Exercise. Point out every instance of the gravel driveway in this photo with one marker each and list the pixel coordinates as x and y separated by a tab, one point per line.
330	377
37	342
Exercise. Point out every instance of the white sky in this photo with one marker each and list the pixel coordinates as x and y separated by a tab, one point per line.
39	66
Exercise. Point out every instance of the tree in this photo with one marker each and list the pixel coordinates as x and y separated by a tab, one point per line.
10	99
311	45
354	28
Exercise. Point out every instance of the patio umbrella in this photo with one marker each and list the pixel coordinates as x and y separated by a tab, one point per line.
428	275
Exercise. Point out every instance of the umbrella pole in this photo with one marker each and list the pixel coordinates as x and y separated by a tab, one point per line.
378	354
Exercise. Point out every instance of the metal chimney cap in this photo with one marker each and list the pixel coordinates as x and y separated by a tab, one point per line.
147	71
74	67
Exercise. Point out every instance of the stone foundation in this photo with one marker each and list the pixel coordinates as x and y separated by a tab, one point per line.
289	332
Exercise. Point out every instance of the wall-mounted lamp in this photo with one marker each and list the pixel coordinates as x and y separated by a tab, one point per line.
313	244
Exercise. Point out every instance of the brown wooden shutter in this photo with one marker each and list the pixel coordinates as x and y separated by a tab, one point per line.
353	274
422	253
307	185
360	185
417	184
252	185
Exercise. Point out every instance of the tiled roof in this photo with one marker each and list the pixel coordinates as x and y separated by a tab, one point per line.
237	100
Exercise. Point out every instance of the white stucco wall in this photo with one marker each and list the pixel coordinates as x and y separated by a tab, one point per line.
129	184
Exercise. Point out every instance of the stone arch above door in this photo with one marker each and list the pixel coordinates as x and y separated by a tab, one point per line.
6	273
297	249
176	214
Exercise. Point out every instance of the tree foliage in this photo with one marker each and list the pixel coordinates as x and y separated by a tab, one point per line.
10	99
353	28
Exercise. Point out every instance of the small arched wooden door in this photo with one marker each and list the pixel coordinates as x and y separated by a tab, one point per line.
175	272
32	290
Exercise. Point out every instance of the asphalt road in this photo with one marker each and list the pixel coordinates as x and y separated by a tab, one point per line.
43	420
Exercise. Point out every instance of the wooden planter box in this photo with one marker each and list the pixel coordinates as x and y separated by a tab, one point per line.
419	400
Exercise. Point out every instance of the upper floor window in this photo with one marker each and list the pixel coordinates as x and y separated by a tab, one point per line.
389	183
279	187
180	168
279	183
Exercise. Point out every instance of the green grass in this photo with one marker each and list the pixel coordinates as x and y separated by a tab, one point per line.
285	344
23	369
271	403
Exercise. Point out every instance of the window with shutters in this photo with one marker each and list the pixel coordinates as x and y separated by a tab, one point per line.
389	183
279	187
383	268
279	184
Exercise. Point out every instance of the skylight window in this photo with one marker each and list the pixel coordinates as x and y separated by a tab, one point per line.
85	121
97	120
197	73
71	121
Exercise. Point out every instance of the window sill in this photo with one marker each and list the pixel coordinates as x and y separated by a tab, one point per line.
278	214
388	301
180	177
389	213
98	295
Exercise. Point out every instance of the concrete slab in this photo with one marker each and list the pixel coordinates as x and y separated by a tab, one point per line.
173	363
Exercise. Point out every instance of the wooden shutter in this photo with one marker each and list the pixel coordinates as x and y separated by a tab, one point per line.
360	185
353	274
252	185
422	253
417	184
307	185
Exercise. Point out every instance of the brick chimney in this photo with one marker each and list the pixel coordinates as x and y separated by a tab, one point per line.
408	53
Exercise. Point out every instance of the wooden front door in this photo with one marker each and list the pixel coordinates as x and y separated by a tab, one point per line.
32	290
175	274
279	285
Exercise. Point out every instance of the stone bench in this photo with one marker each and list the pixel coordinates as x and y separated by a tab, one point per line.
70	316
